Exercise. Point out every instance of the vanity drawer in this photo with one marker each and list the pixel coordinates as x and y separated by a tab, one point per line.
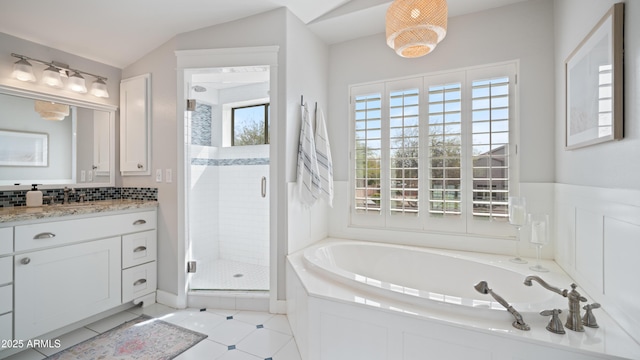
6	270
138	281
6	240
35	236
138	248
6	299
6	326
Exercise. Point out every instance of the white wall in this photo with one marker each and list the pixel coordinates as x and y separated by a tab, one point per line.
613	164
161	63
598	226
523	32
307	76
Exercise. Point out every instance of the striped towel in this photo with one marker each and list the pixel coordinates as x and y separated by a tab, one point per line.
308	174
325	165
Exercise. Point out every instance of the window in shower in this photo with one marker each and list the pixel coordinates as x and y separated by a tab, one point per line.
435	152
250	125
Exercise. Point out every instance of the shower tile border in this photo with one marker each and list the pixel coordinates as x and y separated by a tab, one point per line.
230	162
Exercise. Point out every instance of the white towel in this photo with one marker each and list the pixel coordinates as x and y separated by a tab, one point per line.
325	165
308	178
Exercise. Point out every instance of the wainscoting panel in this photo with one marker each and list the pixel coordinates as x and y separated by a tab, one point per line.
621	258
598	244
589	247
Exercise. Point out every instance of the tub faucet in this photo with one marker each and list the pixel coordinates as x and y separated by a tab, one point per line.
574	319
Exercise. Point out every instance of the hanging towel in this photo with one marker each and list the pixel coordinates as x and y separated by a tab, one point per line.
308	174
325	165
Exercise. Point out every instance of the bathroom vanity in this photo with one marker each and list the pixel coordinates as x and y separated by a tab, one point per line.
62	264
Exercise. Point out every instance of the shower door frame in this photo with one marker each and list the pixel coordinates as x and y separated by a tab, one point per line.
189	60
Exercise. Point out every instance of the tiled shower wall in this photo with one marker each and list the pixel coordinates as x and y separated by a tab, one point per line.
229	218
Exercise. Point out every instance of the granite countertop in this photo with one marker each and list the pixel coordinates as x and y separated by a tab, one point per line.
23	213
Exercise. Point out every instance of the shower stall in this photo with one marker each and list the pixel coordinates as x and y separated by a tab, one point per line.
227	165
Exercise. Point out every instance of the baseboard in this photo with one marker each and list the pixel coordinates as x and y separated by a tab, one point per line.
278	306
169	299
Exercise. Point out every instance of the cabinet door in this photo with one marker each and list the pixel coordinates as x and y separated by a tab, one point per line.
102	143
56	287
135	127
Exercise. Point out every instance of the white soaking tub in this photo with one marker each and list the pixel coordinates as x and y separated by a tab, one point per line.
351	299
428	277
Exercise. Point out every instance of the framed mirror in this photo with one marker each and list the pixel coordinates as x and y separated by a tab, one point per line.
54	141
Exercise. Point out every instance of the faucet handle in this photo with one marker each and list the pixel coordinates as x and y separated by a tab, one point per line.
588	319
555	324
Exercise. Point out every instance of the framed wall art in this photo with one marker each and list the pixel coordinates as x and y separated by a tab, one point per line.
594	84
18	148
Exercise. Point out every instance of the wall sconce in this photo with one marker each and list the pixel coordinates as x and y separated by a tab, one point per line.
53	74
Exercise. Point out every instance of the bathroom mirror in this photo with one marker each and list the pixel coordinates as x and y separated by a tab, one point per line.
54	141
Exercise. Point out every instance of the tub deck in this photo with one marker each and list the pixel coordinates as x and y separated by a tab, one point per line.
323	294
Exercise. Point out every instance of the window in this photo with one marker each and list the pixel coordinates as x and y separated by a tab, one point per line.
435	152
250	125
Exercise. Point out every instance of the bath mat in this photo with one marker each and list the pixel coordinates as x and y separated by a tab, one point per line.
142	338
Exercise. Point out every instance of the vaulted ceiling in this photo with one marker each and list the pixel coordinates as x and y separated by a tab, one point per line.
119	32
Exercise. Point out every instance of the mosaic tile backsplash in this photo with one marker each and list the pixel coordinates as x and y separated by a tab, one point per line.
12	198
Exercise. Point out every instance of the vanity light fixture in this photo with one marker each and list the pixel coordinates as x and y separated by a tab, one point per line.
23	70
55	71
51	76
99	88
77	83
415	27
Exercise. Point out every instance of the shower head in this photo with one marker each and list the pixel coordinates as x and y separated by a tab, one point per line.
482	287
199	88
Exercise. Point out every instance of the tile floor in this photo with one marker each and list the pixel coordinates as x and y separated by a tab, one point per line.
232	334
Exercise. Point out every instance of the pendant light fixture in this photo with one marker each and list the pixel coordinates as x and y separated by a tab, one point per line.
23	71
51	111
415	27
55	72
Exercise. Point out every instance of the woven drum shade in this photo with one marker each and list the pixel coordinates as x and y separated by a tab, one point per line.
415	27
51	111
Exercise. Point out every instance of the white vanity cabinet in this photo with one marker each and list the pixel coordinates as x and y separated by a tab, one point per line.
6	283
69	270
135	125
59	286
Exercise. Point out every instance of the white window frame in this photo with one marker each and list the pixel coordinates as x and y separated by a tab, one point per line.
465	223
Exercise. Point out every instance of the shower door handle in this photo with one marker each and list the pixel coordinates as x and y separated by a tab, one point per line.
263	187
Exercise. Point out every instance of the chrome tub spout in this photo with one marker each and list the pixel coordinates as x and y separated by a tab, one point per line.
528	279
574	319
